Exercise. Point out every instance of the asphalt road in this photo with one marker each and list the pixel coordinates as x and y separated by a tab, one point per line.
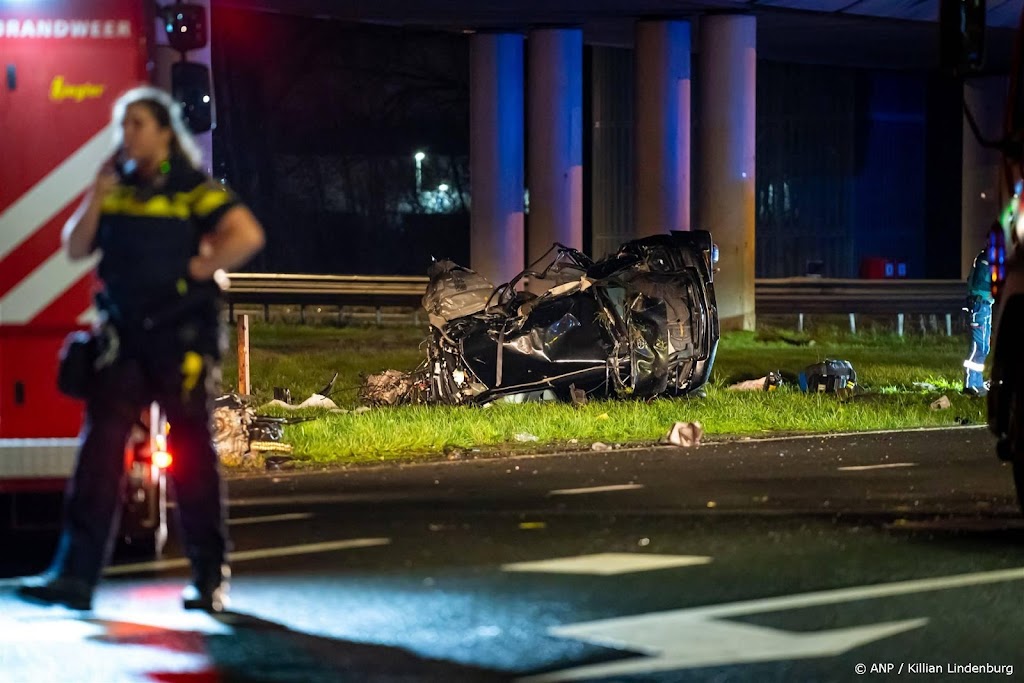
778	560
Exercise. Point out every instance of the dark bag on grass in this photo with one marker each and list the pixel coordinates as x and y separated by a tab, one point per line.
830	377
77	364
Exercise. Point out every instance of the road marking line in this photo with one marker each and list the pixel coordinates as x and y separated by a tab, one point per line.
291	516
853	594
286	551
607	564
595	489
862	468
330	498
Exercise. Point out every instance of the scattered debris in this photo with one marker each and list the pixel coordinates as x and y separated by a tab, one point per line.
829	377
748	385
266	428
574	441
278	403
602	416
524	437
244	439
278	462
600	447
361	410
577	396
318	401
712	504
685	434
231	421
390	388
529	397
925	386
942	403
770	382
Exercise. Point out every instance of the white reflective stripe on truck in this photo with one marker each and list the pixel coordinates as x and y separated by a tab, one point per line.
44	458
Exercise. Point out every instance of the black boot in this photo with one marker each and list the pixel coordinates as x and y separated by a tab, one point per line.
72	593
209	589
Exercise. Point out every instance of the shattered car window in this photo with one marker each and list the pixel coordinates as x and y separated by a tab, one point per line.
639	323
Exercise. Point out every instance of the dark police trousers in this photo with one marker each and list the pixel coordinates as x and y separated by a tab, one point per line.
93	497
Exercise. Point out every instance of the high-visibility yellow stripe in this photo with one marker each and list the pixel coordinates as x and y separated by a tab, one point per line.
199	202
210	201
123	202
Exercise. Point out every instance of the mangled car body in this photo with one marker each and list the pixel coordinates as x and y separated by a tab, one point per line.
639	323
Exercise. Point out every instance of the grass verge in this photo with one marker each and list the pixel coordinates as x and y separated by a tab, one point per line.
894	373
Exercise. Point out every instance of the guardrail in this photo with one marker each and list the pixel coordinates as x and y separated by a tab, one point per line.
787	296
819	295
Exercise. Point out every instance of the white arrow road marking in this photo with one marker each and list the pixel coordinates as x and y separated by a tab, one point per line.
684	643
687	638
607	564
595	489
286	551
861	468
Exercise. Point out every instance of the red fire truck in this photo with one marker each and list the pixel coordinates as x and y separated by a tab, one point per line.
63	63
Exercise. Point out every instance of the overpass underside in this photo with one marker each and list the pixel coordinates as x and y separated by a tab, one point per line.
690	113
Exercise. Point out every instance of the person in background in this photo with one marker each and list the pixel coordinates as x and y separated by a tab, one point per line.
165	231
979	306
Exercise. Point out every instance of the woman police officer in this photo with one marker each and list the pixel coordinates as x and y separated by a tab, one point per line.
164	230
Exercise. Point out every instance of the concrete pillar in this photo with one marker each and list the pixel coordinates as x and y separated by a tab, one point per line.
982	192
662	127
728	63
164	56
496	155
555	173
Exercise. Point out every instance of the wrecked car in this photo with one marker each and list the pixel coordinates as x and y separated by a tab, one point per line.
639	323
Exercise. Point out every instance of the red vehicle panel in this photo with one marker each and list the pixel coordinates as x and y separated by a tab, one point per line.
62	66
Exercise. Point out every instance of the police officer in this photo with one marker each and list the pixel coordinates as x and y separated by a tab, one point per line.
979	305
164	231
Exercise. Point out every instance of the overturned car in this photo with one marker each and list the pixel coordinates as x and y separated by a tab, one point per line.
639	323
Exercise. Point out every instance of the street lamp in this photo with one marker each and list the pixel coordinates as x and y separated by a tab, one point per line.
419	157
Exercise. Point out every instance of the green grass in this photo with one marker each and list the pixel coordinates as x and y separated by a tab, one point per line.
303	358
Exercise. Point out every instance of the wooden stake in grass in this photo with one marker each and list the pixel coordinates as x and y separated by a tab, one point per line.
243	355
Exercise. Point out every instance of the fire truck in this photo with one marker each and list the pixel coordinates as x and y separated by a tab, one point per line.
63	63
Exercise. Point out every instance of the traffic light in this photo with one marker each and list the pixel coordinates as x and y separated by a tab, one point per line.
190	86
185	25
962	35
